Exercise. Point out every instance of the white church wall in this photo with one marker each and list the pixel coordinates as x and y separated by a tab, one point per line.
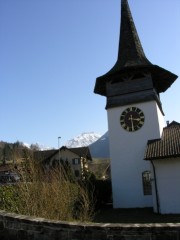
127	153
168	185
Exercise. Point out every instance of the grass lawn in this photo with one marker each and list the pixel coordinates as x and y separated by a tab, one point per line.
135	215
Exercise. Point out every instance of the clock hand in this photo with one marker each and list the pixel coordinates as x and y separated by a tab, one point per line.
136	119
132	125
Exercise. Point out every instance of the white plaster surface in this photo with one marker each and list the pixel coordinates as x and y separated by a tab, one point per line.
168	185
127	153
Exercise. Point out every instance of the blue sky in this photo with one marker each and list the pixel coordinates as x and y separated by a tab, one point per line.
51	52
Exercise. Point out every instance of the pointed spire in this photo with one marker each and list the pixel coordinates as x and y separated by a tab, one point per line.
130	49
131	57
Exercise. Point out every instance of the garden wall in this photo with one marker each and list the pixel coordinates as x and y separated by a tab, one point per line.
17	227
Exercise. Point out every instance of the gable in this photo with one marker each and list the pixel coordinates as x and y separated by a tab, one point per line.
66	153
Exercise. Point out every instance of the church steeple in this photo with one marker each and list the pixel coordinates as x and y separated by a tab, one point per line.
134	113
131	64
130	49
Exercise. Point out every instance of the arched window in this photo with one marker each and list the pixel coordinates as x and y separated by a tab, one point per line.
146	179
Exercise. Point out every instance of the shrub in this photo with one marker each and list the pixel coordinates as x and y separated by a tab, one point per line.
103	192
47	194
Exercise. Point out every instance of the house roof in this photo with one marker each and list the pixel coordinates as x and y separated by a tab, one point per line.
167	146
42	155
82	151
46	155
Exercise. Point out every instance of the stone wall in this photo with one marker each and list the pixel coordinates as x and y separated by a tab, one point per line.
17	227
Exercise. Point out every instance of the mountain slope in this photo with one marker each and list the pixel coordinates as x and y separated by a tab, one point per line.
100	148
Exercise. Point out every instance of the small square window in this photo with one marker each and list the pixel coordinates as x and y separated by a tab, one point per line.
75	161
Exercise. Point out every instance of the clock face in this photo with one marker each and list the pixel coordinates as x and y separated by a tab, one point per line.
132	119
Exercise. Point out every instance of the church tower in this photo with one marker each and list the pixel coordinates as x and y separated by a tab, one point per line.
134	112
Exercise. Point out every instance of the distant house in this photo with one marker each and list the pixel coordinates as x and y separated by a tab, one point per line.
164	155
8	174
5	168
76	158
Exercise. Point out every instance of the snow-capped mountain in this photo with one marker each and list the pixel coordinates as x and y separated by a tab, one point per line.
83	140
98	145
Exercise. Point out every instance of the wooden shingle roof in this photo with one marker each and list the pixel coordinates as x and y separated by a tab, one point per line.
131	57
166	147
